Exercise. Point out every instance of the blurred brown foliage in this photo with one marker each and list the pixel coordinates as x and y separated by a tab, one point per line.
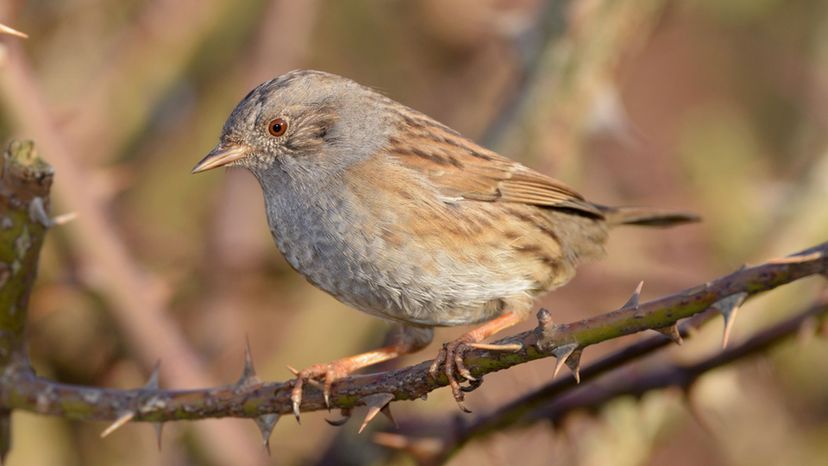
716	107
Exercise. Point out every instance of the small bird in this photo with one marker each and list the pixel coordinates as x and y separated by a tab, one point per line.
401	217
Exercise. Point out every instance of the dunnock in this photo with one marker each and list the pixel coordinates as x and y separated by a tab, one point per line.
401	217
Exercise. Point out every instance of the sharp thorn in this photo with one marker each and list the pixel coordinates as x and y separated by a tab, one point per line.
573	362
37	212
152	382
375	403
558	365
248	358
728	307
158	427
63	219
672	332
386	411
120	422
729	321
265	423
562	353
248	376
12	32
633	301
796	258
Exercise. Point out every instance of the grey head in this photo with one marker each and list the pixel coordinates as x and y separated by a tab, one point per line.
302	125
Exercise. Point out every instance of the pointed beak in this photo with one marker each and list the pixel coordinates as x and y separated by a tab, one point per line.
220	156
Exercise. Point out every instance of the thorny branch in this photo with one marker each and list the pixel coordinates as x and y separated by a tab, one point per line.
680	376
24	194
24	197
554	401
250	397
516	412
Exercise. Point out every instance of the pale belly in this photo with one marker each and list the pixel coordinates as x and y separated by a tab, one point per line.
386	272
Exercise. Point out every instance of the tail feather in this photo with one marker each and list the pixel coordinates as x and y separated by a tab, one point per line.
645	216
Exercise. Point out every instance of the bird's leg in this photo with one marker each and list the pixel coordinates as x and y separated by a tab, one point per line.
327	373
451	355
401	340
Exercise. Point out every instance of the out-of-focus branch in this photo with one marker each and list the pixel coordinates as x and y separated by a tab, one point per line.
25	181
569	83
146	325
532	44
145	61
252	398
235	236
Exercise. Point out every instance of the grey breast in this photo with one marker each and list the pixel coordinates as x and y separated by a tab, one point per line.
339	250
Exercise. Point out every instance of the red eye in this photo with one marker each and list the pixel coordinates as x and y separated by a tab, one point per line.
277	127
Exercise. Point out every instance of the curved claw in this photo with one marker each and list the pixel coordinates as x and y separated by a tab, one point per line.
328	373
473	385
461	367
330	376
346	416
296	397
451	358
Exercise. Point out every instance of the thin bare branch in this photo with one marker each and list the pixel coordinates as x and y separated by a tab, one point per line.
26	391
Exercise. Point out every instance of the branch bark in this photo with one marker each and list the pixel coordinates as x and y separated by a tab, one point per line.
25	181
678	376
250	397
556	400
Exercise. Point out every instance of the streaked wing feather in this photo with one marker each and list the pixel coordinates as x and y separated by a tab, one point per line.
461	168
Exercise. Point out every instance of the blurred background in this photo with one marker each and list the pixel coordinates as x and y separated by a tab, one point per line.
715	107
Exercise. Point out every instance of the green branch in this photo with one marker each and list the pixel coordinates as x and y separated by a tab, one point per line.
25	181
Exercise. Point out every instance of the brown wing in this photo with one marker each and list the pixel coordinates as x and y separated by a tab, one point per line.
460	168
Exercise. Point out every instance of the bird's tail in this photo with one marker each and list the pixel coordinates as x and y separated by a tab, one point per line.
646	216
